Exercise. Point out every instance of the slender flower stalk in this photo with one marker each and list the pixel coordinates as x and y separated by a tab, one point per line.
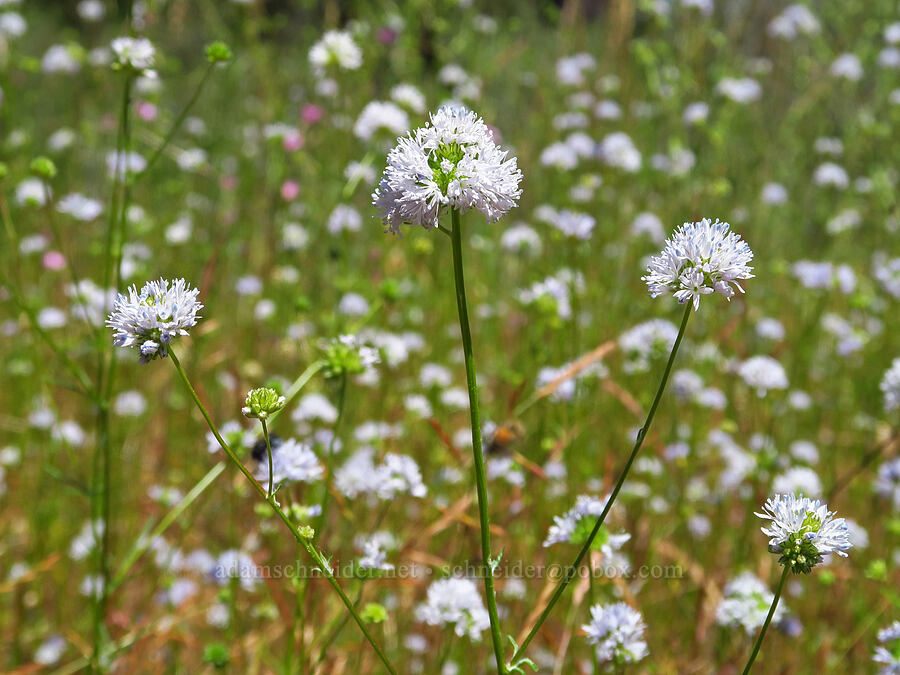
765	626
303	535
100	497
639	441
271	491
475	415
329	459
802	531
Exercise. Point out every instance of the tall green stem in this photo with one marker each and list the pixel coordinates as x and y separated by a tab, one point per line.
307	544
265	429
765	627
176	125
105	376
329	460
639	441
480	481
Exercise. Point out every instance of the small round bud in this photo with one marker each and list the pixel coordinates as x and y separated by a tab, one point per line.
262	402
218	52
374	613
306	532
346	356
43	167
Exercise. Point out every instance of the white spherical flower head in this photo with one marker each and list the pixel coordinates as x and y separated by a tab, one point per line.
450	162
700	259
149	319
455	602
335	48
802	531
618	632
136	54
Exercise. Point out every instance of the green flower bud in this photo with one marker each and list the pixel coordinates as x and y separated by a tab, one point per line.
216	654
306	532
262	402
218	52
43	167
374	613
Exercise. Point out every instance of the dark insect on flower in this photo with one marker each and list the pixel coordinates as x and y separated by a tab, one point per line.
259	448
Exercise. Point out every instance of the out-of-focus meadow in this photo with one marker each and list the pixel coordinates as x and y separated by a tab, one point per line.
628	118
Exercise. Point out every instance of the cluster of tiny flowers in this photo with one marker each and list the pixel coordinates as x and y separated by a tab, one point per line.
135	54
575	525
346	355
453	161
700	259
396	474
617	630
262	402
292	461
888	657
746	603
455	602
890	386
149	319
335	48
802	531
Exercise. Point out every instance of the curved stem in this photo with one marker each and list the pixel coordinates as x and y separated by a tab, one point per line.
639	441
480	480
765	627
317	557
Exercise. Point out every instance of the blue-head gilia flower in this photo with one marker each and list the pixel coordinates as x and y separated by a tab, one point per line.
149	319
700	259
618	632
803	531
452	161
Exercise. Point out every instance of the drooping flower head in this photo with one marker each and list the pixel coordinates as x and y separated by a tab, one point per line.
149	319
618	632
700	259
451	161
802	531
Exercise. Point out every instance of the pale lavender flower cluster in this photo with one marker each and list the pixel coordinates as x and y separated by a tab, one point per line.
150	318
803	531
450	162
617	630
455	602
699	259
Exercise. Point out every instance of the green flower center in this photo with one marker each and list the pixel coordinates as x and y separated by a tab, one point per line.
443	162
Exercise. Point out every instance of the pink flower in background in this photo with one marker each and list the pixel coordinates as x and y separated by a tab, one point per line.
228	182
146	111
54	260
311	113
290	189
293	141
385	35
